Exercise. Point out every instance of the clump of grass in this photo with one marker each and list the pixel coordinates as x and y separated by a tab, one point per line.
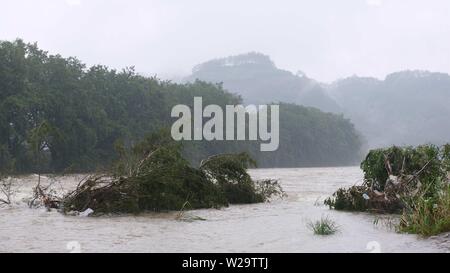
182	216
324	226
388	222
428	215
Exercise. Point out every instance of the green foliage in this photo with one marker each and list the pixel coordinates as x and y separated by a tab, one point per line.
445	155
428	215
324	226
362	198
229	172
154	176
348	199
403	160
407	180
269	188
309	137
415	168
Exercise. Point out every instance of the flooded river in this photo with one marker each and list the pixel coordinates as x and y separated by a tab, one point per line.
279	226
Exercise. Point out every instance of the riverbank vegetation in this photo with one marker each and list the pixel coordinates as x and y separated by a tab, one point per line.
428	215
411	181
58	115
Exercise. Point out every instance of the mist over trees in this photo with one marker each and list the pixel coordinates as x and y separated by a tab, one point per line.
255	77
407	108
57	114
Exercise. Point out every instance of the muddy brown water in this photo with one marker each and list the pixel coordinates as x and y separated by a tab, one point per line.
279	226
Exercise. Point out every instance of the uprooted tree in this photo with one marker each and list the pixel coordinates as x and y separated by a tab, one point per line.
407	180
154	176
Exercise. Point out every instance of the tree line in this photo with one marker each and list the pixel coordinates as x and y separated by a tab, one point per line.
57	114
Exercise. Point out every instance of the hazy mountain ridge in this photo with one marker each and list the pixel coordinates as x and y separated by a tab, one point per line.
406	108
255	77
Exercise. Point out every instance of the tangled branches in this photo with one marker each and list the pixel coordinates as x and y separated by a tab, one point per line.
154	176
45	196
395	178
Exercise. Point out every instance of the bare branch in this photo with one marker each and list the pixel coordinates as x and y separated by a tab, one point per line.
6	191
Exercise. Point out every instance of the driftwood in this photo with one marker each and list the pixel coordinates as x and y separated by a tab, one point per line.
44	196
392	176
154	176
162	180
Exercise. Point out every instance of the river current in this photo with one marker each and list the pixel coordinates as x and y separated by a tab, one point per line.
278	226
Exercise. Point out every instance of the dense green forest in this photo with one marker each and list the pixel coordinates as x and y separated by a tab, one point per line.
57	114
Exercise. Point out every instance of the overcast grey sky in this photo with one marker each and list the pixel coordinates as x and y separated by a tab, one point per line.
327	39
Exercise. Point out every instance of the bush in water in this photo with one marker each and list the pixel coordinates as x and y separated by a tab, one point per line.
154	176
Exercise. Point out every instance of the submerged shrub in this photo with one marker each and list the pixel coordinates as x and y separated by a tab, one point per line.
351	199
362	198
156	177
396	161
229	172
406	180
269	188
324	226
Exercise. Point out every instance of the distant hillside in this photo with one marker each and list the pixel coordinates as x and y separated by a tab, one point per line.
257	80
407	108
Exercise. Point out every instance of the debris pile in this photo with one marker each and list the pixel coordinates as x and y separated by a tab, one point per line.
154	176
394	177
